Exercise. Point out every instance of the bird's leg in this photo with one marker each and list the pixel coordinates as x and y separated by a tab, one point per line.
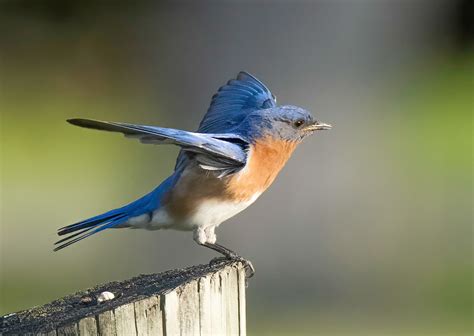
207	238
229	254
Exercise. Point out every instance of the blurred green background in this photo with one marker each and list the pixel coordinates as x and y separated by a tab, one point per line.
368	229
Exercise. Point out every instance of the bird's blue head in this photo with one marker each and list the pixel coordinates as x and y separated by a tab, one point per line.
287	123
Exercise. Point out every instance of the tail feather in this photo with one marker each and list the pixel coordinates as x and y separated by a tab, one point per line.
113	218
85	228
84	233
73	235
91	222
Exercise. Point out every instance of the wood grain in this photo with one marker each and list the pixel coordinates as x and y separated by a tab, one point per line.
209	300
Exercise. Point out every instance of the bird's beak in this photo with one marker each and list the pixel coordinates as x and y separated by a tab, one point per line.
317	126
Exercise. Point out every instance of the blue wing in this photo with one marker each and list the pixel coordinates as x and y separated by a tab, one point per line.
213	151
233	101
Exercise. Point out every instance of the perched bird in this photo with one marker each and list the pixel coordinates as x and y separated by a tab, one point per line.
240	146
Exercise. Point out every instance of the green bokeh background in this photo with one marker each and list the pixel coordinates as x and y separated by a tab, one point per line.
368	230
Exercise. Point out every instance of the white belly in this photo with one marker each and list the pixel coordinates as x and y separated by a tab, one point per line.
209	213
214	212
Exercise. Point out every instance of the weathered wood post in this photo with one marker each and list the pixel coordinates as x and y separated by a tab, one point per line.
199	300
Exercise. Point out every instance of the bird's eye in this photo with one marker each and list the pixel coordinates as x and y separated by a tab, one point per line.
298	123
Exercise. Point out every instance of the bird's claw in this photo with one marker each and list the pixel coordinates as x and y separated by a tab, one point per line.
249	269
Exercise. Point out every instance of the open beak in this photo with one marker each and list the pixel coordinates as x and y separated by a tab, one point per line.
317	126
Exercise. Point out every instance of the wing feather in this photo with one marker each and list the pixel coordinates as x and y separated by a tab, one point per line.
222	149
234	101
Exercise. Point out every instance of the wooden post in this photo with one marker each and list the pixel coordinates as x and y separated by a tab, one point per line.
199	300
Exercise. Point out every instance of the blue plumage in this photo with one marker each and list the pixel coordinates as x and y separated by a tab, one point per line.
218	146
225	152
88	227
242	112
234	101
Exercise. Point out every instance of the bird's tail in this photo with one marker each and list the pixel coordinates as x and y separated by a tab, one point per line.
90	226
113	218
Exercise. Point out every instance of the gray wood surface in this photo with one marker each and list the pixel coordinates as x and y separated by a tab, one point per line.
199	300
148	316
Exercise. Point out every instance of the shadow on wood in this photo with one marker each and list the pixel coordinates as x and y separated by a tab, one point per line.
199	300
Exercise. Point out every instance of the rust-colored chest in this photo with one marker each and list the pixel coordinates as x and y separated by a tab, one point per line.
265	160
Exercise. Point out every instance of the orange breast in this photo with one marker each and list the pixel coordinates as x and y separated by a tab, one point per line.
266	158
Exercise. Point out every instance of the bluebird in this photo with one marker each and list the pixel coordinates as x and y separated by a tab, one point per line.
242	143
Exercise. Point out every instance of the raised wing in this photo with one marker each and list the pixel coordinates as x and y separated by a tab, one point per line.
212	151
233	101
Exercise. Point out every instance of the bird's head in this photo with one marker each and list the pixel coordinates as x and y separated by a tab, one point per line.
288	123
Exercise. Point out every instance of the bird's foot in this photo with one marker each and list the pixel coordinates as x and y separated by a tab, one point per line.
230	255
248	266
